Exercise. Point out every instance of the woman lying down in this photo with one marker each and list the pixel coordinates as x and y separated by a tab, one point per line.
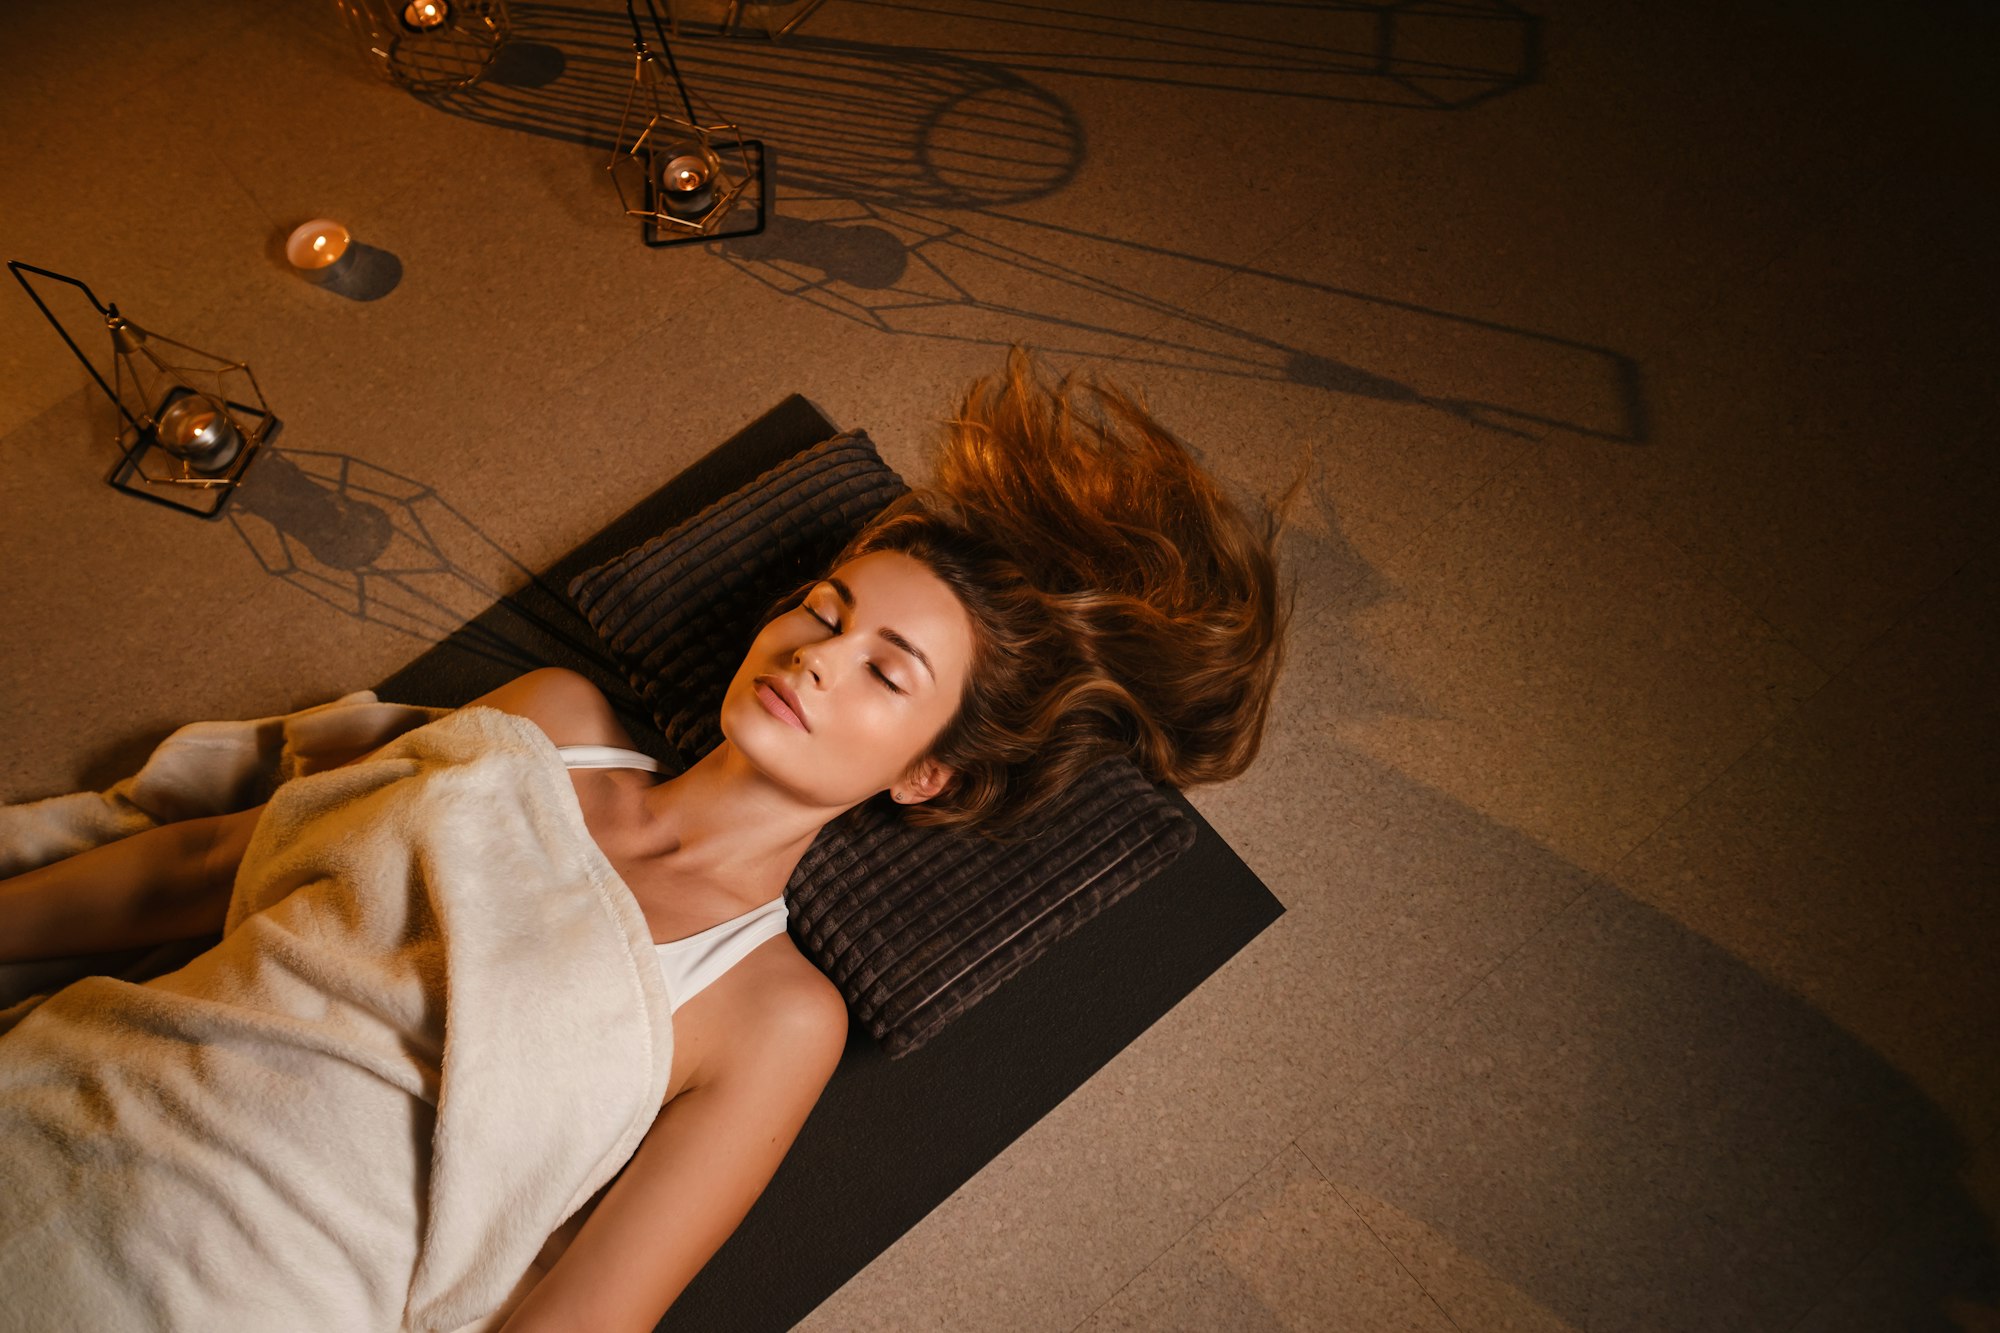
440	1018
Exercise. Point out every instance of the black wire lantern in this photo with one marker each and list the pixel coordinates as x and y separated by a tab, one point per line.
683	175
191	422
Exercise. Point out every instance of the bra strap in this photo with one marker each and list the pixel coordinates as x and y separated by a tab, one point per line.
605	756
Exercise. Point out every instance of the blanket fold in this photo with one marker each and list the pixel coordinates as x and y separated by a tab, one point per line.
433	1027
203	768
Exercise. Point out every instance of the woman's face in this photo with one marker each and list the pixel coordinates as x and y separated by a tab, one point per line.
844	695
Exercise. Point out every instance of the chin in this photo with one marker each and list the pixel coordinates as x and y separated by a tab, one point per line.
781	752
750	729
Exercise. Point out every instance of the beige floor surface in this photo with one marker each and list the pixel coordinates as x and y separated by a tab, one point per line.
1631	788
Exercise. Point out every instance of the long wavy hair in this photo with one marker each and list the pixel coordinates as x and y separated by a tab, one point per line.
1121	604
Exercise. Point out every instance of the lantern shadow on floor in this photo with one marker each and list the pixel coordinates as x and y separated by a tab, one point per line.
873	140
907	124
994	277
389	550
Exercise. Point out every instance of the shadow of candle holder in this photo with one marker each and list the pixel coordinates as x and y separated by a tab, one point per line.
528	65
908	124
960	120
1417	55
991	277
337	528
879	138
388	550
854	253
365	273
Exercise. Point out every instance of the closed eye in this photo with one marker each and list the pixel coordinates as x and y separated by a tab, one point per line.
834	625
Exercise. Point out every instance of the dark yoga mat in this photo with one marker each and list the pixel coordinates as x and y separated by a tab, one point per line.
890	1140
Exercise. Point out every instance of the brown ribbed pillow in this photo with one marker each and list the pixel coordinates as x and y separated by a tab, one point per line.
914	925
679	611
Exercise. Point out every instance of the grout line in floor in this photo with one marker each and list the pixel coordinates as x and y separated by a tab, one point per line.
1183	1234
1367	1078
1394	1257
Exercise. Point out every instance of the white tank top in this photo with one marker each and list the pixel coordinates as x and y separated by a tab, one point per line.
690	965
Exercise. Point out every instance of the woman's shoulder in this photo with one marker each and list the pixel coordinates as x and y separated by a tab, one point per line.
568	708
785	1021
787	1000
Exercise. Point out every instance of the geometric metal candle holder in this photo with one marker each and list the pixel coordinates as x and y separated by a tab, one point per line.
191	422
429	46
680	173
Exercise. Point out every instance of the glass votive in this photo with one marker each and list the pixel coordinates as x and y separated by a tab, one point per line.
687	181
195	427
319	249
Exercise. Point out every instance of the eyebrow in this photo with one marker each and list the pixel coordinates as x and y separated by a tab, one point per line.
846	595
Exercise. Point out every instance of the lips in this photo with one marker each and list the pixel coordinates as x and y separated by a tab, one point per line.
780	702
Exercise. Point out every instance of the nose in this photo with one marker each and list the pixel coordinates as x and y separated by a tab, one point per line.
811	659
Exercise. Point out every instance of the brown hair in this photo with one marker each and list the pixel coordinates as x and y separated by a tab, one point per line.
1121	603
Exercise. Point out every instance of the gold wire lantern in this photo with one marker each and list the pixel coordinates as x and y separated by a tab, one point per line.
191	422
678	172
428	46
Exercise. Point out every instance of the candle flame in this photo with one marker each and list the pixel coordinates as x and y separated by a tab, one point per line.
319	242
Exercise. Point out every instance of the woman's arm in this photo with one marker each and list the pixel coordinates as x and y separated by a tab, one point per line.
165	883
700	1167
173	882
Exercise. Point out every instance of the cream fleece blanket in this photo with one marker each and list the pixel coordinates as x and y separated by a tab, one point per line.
203	768
434	1026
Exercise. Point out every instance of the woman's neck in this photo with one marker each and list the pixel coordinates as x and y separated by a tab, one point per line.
727	827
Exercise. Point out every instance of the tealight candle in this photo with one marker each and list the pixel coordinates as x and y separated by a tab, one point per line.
687	184
315	247
425	15
196	428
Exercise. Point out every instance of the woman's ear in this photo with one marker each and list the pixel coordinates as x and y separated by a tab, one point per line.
925	779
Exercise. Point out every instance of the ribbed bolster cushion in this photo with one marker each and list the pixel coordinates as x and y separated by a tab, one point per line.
679	611
916	925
